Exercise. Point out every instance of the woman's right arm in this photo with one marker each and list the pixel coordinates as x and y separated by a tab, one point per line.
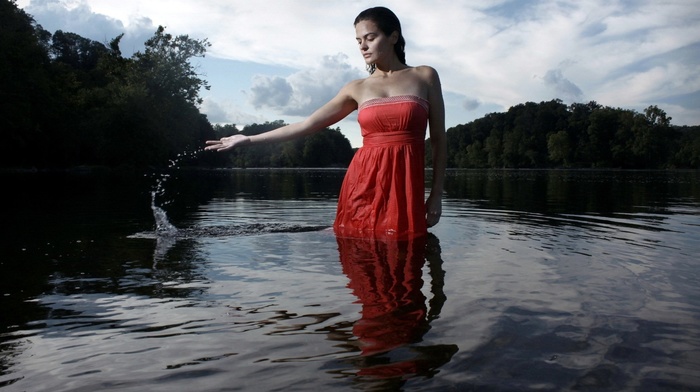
335	110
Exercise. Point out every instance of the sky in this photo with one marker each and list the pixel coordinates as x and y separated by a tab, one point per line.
282	59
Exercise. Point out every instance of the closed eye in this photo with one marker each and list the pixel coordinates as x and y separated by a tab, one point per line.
369	37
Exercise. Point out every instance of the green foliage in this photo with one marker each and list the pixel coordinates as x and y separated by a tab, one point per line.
75	51
559	147
75	101
688	154
164	67
25	88
551	134
327	148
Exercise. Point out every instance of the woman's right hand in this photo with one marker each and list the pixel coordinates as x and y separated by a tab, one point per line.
226	143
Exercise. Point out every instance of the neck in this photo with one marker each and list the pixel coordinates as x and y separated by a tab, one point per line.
386	69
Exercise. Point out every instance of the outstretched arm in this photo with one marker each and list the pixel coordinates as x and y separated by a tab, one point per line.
433	205
335	110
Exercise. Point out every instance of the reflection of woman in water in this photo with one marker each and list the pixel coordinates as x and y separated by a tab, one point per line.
383	193
385	276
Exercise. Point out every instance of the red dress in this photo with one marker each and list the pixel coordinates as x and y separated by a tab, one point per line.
383	192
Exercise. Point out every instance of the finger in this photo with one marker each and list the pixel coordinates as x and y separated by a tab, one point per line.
215	147
432	218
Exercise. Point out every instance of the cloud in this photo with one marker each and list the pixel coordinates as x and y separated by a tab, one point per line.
563	87
470	104
78	17
621	53
214	111
273	92
226	112
305	91
514	9
687	101
593	46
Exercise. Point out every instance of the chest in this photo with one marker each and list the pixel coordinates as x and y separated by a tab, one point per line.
382	87
405	113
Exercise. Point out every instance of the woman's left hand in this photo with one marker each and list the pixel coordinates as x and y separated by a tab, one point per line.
433	210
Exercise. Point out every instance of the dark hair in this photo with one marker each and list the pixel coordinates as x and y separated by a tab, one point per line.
387	22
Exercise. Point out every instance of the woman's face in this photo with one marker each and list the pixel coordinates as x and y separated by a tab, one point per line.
374	45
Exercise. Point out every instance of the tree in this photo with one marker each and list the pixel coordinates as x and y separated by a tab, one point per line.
600	132
494	148
657	117
476	155
149	114
653	145
688	155
78	52
559	148
25	87
577	127
69	100
165	66
621	152
327	148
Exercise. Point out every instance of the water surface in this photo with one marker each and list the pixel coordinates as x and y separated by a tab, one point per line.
533	280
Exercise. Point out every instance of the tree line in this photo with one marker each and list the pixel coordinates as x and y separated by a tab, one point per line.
70	101
581	135
328	148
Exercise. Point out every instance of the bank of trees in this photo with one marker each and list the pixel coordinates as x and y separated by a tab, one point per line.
582	135
70	101
328	148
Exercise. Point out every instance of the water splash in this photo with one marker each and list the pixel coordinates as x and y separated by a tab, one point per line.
167	235
163	225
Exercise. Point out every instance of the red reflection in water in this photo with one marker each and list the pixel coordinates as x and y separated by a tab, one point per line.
386	277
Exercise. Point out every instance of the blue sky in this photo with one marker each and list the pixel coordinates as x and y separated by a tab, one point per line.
281	59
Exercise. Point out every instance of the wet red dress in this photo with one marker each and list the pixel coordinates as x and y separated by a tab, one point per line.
383	192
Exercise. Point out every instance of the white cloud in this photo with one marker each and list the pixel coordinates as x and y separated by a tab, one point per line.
227	112
496	53
77	16
564	88
274	92
305	91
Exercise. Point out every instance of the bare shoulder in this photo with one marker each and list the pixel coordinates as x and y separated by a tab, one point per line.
429	76
425	69
352	90
427	73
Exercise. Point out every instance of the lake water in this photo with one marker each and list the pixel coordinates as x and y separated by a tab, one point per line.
533	280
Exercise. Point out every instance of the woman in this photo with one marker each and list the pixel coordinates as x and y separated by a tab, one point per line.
382	195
